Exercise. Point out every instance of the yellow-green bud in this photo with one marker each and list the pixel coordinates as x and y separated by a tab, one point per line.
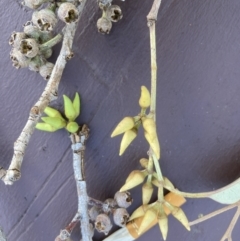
56	122
163	224
45	127
154	144
52	112
125	124
139	212
149	217
127	139
145	98
72	127
144	162
76	104
147	191
135	178
149	126
181	217
69	109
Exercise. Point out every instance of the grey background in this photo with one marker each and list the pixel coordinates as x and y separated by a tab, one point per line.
198	114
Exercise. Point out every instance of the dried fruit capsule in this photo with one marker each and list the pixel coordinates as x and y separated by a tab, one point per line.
120	217
123	199
16	38
29	47
68	13
47	53
46	70
44	19
34	4
103	224
104	25
94	212
114	13
109	204
18	59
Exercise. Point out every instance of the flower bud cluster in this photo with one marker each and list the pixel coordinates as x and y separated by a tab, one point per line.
31	48
110	13
115	207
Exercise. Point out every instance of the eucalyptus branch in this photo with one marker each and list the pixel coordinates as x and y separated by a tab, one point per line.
49	94
78	147
2	235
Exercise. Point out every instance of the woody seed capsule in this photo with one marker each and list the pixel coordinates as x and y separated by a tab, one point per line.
114	13
103	224
34	4
44	19
46	70
120	217
16	38
94	212
104	25
68	13
29	47
18	59
123	199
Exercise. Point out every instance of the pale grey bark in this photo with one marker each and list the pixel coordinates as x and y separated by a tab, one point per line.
49	94
78	147
2	235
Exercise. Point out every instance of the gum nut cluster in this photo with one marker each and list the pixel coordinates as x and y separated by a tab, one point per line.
117	207
110	13
32	47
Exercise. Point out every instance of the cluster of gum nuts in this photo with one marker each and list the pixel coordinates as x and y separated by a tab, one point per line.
30	48
117	207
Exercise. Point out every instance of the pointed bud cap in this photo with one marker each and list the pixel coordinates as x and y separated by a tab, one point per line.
163	225
56	122
181	217
77	104
127	139
149	217
52	112
136	178
125	124
69	110
147	191
45	127
154	144
139	212
145	98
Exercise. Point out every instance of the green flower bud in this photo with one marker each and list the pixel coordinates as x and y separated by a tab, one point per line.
52	112
56	122
72	127
76	104
45	127
69	110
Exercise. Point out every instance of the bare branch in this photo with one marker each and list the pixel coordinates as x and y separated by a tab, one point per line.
49	94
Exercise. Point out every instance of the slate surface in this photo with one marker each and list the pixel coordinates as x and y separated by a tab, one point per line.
198	114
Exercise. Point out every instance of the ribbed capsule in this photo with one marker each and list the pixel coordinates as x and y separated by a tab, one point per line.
125	124
114	13
135	178
16	38
104	25
147	191
44	19
46	70
145	98
120	217
103	224
18	59
68	12
29	47
149	217
127	139
123	199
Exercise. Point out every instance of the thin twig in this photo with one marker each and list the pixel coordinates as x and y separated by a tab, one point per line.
49	94
78	147
228	233
213	214
151	21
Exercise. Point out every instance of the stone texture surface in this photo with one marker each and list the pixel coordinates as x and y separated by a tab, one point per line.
198	114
